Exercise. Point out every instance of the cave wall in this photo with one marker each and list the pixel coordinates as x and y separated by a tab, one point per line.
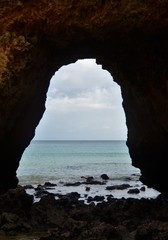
128	37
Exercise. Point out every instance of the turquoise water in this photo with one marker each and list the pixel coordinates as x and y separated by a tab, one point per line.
69	160
64	161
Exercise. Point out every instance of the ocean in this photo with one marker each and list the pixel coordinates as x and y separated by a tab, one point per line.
62	162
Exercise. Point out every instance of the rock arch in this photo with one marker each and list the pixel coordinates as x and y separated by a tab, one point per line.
129	39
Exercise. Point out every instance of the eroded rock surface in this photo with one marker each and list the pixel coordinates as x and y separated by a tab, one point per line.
129	38
69	218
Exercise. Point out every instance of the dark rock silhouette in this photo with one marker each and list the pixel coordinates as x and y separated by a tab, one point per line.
129	38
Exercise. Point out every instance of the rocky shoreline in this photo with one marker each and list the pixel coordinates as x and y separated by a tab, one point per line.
68	217
92	189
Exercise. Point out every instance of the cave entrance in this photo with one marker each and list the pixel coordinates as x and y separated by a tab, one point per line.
82	132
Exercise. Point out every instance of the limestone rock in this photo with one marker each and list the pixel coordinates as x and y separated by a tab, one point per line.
129	38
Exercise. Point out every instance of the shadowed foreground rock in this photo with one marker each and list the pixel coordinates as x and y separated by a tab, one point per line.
128	37
69	218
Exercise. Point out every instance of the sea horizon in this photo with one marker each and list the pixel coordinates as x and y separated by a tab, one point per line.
78	140
65	162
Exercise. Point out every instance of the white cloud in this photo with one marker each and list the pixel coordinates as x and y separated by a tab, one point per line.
83	103
95	99
81	76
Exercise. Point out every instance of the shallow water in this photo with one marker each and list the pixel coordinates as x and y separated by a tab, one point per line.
69	160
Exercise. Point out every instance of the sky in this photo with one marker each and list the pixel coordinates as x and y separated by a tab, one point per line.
83	103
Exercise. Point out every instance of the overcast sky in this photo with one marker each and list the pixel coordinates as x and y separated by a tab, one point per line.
83	103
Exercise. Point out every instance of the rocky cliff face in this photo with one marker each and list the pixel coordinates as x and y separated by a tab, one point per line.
129	38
